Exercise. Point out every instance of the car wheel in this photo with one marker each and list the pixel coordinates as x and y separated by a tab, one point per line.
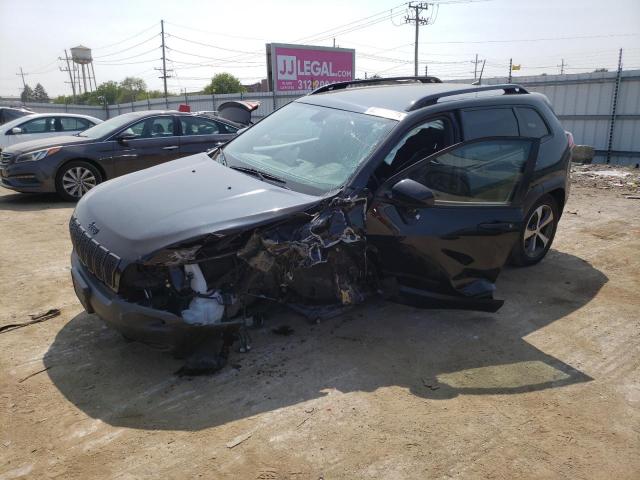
537	233
75	179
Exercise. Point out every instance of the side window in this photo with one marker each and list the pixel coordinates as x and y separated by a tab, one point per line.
531	123
224	128
39	125
479	172
422	141
489	122
199	126
155	127
69	124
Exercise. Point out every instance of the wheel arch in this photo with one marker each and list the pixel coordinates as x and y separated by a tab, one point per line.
93	163
558	195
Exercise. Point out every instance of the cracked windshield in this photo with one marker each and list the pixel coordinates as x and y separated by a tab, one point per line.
314	149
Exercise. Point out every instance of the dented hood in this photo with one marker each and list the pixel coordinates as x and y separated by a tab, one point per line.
143	212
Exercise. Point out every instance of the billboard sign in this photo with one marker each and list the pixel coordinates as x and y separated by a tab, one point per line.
305	67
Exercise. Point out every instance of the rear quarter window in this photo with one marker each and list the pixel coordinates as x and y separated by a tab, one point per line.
489	122
531	123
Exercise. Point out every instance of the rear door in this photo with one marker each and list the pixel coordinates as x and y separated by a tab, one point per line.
70	125
157	141
450	254
200	134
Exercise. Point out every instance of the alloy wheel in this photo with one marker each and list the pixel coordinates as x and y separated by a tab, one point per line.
78	180
539	230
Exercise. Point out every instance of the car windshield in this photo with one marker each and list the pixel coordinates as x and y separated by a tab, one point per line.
109	126
313	149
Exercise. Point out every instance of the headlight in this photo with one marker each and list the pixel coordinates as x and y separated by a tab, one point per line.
37	155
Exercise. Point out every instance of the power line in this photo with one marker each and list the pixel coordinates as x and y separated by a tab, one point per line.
537	39
358	21
140	62
127	39
128	58
211	58
216	33
209	45
128	48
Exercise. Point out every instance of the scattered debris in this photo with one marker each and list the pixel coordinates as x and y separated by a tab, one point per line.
429	385
36	318
626	180
284	330
239	439
633	197
34	374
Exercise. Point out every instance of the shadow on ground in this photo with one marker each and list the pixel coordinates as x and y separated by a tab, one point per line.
32	201
435	354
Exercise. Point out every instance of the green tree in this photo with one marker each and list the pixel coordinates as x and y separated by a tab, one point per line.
109	91
27	94
132	89
40	94
224	83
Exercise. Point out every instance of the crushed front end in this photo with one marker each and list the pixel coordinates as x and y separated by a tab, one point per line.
216	284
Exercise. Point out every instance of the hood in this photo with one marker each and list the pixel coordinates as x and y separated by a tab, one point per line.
140	213
33	145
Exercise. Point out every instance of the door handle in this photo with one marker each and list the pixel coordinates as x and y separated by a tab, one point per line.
172	147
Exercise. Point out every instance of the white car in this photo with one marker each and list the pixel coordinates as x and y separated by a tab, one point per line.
41	125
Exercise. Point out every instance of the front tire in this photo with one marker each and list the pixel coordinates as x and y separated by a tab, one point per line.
537	233
75	179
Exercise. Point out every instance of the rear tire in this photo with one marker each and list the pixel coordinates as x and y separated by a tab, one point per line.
75	179
537	233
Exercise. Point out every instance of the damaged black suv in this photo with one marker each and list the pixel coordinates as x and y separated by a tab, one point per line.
409	188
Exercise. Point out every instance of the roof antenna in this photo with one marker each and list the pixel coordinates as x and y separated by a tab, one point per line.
479	81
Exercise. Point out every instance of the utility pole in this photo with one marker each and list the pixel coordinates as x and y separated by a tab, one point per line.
68	69
481	72
562	65
510	67
475	68
614	106
426	70
164	64
416	19
22	74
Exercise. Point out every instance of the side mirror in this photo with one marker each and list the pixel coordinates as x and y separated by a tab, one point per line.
15	131
125	137
412	194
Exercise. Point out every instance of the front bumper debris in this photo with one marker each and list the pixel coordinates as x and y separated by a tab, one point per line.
159	328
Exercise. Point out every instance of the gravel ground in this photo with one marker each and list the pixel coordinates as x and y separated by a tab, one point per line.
548	387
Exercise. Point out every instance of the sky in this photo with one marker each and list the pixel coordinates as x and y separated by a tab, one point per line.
208	37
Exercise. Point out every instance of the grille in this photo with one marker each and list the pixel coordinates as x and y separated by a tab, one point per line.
5	159
98	260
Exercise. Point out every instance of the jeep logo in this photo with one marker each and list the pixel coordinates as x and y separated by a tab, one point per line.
93	228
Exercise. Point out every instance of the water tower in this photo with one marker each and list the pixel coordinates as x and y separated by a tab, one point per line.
81	55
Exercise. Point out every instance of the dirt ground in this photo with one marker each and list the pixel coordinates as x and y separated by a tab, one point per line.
548	387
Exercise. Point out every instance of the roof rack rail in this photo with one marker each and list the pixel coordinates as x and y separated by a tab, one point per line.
374	81
509	89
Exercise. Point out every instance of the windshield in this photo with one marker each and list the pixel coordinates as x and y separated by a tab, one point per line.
313	149
109	126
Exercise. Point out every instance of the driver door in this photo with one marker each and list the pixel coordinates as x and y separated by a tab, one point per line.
155	142
449	253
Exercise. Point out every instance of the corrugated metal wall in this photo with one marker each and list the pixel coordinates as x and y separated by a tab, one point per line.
582	101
